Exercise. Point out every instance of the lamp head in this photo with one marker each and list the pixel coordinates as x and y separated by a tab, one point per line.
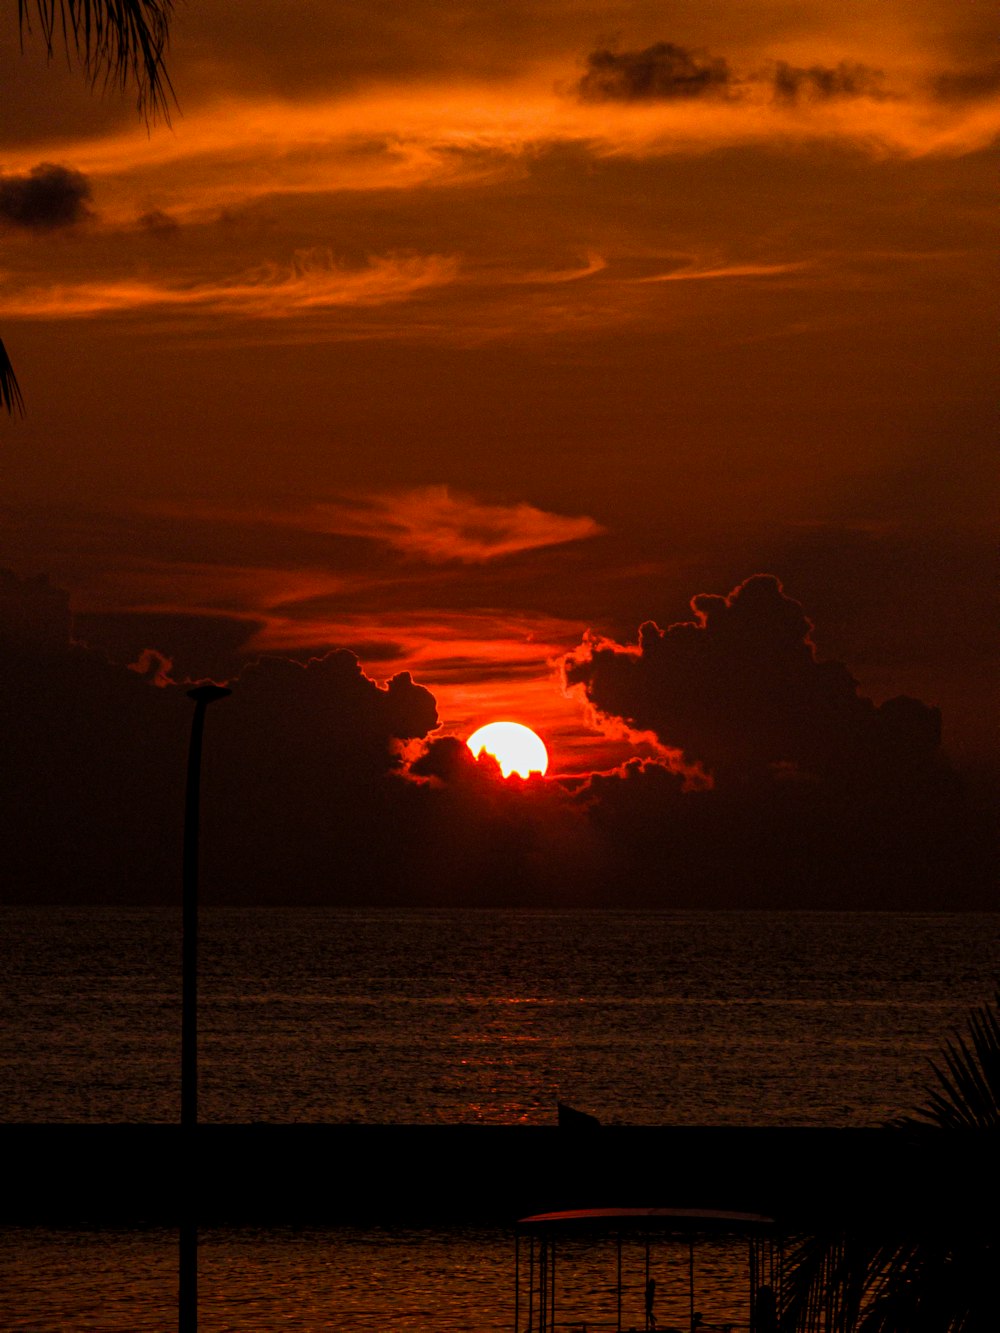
207	694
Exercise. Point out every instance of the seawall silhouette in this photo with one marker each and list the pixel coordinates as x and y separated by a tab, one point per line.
327	1174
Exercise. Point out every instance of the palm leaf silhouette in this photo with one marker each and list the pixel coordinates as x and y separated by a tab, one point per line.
967	1095
118	43
10	390
936	1273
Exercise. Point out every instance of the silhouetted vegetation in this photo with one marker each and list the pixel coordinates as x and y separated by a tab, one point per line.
10	390
934	1271
119	44
966	1092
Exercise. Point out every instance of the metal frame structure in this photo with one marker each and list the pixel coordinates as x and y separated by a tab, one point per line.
535	1292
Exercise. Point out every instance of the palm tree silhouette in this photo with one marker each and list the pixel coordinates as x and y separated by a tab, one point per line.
936	1271
118	43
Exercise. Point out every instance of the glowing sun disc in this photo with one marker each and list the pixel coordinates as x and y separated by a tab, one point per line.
516	748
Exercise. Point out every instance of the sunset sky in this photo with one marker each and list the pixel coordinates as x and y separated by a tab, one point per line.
451	334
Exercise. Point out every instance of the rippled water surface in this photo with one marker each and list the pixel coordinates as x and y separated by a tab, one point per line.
257	1281
449	1017
452	1017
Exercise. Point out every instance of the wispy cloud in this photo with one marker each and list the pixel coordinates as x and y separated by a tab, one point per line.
313	282
243	592
698	273
553	277
661	101
438	524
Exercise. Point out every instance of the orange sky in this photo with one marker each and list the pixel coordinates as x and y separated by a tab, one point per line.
449	333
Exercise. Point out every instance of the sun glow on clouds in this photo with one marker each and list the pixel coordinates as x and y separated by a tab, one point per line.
476	663
496	663
225	153
516	748
392	608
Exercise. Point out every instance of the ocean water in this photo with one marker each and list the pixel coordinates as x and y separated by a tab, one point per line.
323	1281
487	1017
450	1017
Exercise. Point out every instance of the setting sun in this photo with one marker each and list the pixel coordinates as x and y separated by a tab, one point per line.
516	748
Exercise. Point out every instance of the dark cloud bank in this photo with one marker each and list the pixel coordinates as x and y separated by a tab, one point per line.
661	71
47	198
667	72
779	784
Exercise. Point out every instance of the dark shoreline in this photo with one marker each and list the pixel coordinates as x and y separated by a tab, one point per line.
260	1174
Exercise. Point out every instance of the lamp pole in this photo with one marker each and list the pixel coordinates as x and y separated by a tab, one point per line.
187	1306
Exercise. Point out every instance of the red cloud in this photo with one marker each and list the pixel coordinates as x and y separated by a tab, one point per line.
438	524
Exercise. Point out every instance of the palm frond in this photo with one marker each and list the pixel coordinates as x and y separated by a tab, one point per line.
967	1095
931	1280
10	390
934	1271
831	1281
118	43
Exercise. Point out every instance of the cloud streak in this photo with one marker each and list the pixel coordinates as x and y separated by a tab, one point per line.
696	273
661	100
314	282
439	524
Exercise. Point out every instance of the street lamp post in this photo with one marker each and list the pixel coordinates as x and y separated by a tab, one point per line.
187	1307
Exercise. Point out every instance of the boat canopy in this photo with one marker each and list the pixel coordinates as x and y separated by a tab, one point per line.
661	1219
